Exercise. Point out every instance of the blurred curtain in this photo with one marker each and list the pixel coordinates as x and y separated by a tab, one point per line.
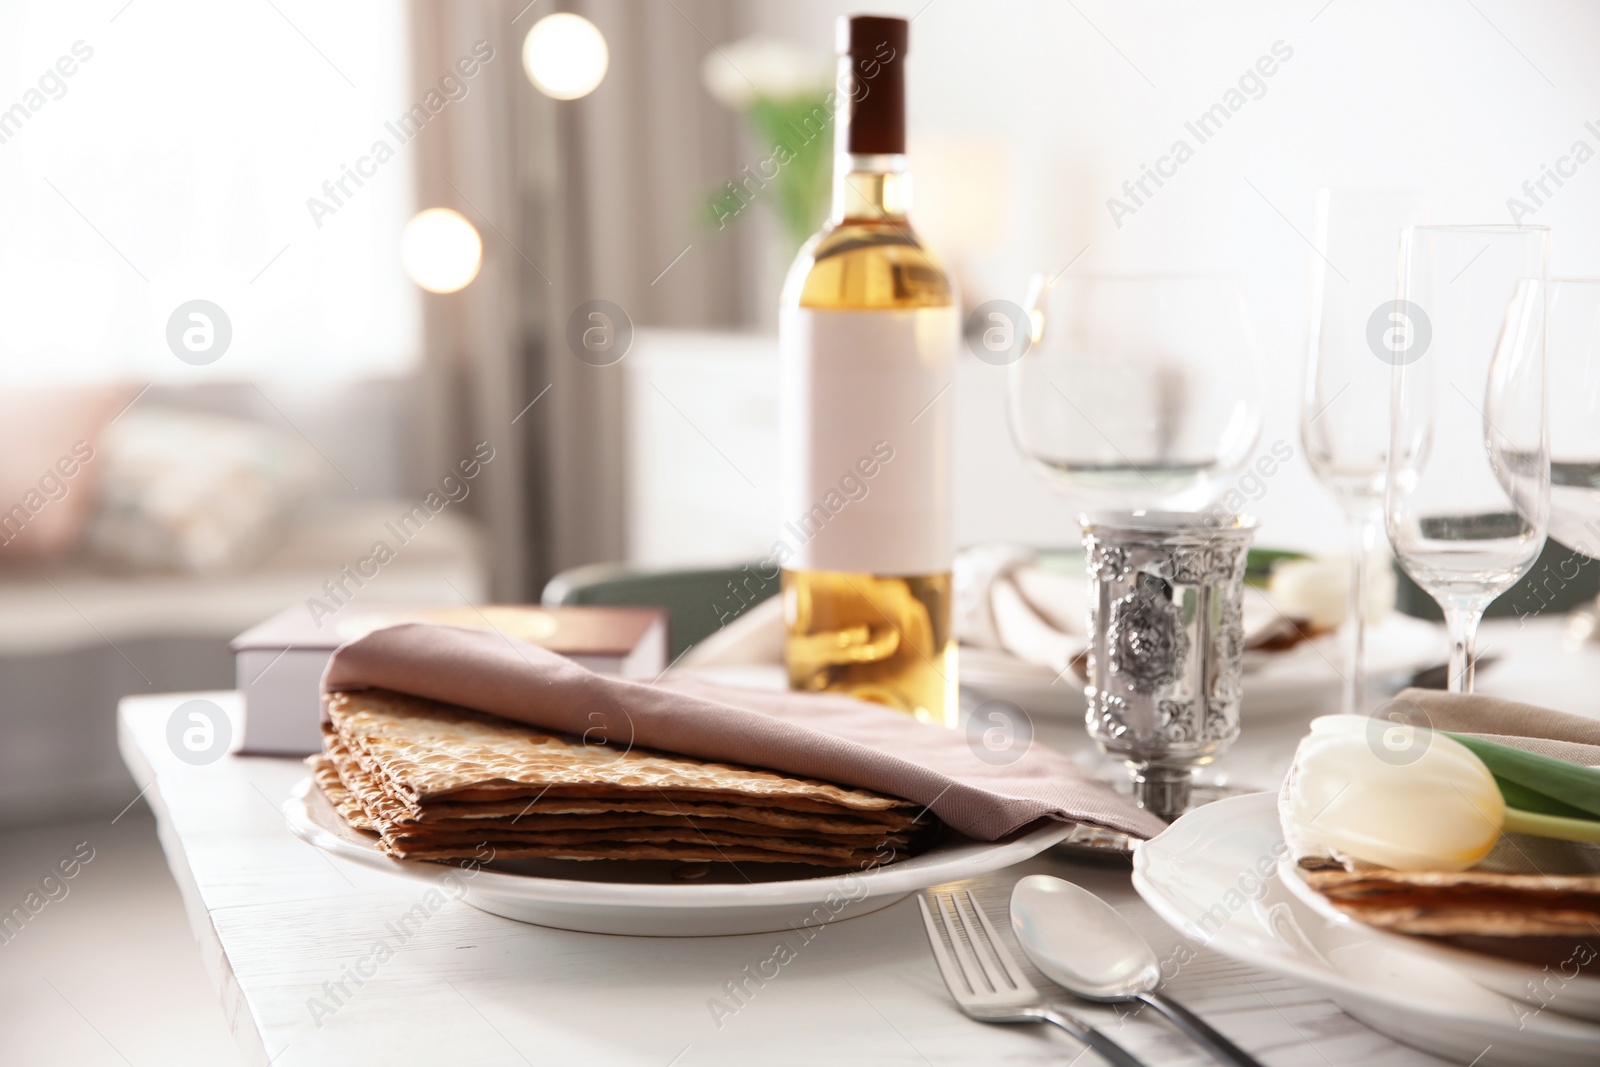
597	198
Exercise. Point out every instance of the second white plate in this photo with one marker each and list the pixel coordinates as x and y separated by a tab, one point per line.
1302	680
1213	875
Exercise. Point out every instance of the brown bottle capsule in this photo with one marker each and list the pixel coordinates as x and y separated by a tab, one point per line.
874	90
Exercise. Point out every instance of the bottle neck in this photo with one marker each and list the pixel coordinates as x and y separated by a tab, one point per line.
870	187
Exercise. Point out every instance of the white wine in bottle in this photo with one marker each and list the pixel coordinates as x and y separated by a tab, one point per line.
868	332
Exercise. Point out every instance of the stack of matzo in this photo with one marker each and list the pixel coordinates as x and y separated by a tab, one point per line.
1455	903
438	782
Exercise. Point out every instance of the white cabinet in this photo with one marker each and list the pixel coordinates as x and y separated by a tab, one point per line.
702	449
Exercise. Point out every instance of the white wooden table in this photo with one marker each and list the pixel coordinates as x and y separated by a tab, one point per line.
280	925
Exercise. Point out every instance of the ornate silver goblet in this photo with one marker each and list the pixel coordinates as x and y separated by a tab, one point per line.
1166	637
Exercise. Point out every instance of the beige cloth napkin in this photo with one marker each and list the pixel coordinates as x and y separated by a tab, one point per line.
829	737
1549	733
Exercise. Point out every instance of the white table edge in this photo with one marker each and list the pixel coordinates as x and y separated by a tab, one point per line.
234	1004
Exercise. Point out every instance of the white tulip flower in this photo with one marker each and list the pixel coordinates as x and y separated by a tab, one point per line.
1318	591
1397	796
735	74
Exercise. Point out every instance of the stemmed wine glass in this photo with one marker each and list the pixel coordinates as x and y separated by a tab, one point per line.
1572	353
1346	397
1467	498
1142	394
1138	391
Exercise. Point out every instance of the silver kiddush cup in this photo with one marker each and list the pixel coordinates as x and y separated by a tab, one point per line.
1166	637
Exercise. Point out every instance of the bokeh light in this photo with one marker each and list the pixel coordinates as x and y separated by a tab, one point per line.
565	56
440	250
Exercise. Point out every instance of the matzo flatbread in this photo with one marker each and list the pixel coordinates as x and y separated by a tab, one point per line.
431	751
621	851
381	813
391	815
648	835
508	797
343	799
1453	903
437	782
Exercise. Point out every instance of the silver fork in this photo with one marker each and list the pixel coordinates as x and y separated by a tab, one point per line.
986	982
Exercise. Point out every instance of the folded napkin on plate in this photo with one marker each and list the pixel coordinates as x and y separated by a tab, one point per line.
833	738
1006	600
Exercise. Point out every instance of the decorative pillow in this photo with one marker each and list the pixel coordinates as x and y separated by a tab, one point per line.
50	465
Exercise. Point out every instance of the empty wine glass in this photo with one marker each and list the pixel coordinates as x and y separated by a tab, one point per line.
1138	391
1572	359
1467	497
1572	356
1346	397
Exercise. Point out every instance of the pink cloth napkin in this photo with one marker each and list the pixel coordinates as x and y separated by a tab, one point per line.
830	737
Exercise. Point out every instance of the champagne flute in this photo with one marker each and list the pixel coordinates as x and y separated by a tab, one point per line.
1347	379
1467	495
1139	392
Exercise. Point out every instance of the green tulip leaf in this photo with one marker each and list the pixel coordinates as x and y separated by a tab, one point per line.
1569	783
1525	799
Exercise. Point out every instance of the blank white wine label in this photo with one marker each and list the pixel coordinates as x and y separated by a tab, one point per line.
866	430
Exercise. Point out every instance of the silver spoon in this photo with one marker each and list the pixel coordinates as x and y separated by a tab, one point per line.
1083	945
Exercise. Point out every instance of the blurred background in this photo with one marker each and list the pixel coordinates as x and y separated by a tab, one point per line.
227	298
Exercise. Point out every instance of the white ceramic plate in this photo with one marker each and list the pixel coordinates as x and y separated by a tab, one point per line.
1303	679
1213	875
644	898
1549	989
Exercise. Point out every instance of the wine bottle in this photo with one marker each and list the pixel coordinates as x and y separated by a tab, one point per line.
868	330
